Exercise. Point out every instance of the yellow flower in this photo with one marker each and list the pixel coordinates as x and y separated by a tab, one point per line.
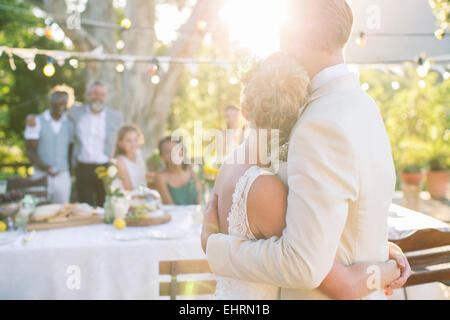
102	174
100	169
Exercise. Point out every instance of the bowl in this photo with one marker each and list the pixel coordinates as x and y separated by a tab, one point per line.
9	209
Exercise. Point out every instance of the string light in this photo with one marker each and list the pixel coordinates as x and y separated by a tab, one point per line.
439	33
73	63
156	79
422	84
120	44
395	85
49	32
120	68
365	86
125	23
152	69
194	82
201	25
234	80
31	65
361	41
423	68
49	68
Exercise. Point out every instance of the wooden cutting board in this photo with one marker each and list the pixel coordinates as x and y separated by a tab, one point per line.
149	221
64	224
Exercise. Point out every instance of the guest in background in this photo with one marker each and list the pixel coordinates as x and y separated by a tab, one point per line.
48	137
236	131
96	127
177	183
130	163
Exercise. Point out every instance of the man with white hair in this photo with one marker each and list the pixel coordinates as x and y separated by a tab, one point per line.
341	175
96	127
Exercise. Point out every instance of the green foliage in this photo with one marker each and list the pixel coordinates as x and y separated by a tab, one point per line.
417	119
23	91
441	8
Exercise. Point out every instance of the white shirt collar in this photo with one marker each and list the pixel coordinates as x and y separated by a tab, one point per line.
48	116
328	74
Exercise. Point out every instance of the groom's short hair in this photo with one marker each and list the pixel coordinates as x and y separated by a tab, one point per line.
322	24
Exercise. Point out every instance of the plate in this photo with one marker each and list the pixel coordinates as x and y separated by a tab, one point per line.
127	237
8	237
167	235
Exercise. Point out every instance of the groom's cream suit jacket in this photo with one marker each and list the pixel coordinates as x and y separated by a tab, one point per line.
341	181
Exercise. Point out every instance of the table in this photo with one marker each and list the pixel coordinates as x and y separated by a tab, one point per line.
49	265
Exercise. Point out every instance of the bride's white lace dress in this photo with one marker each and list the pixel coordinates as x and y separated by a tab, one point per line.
234	289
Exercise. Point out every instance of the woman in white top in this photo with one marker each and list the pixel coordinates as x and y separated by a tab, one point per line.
130	163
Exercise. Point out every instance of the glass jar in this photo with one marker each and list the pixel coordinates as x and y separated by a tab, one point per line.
109	215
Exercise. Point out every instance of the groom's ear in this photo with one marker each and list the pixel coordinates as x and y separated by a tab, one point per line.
245	114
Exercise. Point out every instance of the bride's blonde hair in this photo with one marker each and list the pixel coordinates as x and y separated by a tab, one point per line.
273	91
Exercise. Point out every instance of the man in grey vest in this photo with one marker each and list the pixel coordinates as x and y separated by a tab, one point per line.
48	141
95	132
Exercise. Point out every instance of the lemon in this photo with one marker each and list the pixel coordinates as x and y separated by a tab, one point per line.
120	223
2	226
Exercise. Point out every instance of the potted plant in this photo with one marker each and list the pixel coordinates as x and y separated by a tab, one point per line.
412	174
437	178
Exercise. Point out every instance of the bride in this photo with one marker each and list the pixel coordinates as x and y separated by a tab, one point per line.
252	196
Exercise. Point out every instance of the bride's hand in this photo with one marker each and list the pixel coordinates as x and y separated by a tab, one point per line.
395	253
210	221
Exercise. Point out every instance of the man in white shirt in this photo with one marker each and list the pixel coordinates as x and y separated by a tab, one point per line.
48	142
96	127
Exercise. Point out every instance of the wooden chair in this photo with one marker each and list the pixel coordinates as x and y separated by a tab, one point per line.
428	252
176	288
24	184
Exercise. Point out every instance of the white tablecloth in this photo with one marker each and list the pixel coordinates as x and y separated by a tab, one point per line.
112	269
109	269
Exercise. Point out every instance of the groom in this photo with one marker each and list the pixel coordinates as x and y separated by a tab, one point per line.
340	169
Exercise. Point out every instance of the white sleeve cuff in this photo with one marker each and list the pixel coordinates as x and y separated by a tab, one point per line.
33	133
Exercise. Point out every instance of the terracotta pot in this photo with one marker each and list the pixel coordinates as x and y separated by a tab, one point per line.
412	178
437	184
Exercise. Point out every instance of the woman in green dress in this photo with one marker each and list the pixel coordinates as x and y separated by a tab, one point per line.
177	183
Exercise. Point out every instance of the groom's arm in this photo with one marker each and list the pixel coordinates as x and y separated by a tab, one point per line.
323	180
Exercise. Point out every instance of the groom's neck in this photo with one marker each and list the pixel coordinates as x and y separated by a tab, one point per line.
318	61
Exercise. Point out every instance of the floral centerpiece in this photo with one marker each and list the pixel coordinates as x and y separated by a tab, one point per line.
114	196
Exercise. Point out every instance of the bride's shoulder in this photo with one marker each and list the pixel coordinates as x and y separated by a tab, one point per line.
266	205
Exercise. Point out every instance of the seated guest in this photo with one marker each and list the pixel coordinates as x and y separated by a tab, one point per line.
48	137
130	163
177	183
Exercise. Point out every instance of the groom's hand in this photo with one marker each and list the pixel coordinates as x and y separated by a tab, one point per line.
210	221
395	253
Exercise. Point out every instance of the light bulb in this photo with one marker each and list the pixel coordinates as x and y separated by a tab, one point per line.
234	80
31	65
422	84
194	82
120	68
120	44
365	86
49	70
422	71
361	41
156	79
73	63
125	23
395	85
201	25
